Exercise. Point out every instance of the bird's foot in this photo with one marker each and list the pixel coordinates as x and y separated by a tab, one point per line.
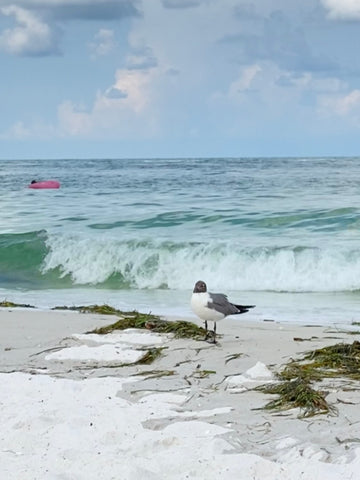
207	335
210	337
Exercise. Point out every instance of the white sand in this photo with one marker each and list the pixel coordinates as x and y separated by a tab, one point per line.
119	353
66	413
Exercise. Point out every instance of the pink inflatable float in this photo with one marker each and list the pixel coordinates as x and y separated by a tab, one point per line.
45	184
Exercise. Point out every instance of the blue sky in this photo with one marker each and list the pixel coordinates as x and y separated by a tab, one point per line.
179	78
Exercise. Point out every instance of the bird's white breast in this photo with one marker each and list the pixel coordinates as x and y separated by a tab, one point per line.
199	306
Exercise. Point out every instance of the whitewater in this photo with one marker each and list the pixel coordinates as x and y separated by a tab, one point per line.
282	233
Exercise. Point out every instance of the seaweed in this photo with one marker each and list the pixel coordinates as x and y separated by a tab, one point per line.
155	373
99	309
234	356
296	393
135	319
130	319
150	356
202	373
179	328
7	304
294	386
340	360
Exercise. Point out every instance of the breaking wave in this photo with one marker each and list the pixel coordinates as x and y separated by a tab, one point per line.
42	260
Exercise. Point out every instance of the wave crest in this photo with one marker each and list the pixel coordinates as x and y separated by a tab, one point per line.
42	260
153	264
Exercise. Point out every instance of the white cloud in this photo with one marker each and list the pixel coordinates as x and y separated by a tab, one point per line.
350	102
240	89
265	94
31	36
141	59
39	21
180	78
136	86
253	83
18	131
123	110
346	106
120	115
73	120
342	9
103	44
244	81
34	130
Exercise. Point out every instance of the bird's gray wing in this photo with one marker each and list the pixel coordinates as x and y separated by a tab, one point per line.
220	303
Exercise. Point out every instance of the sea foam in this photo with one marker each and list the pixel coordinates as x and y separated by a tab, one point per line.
151	264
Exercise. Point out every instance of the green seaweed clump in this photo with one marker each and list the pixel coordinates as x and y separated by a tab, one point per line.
99	309
7	304
150	356
180	328
294	388
134	319
340	360
296	393
129	320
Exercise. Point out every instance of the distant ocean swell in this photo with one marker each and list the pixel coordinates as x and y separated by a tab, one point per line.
42	260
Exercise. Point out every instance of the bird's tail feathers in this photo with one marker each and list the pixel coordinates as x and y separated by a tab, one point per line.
244	308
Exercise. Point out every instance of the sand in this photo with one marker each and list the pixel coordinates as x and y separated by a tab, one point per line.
69	410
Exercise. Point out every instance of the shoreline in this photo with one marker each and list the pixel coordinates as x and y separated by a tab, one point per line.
324	308
203	420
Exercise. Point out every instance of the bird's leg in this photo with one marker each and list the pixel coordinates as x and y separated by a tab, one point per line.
206	330
214	332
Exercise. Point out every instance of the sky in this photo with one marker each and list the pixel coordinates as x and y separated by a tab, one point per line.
179	78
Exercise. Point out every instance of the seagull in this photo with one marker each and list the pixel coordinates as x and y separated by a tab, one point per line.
213	306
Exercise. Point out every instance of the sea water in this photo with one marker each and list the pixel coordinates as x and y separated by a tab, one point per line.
280	233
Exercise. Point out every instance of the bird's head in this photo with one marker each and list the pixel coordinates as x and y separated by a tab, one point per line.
200	287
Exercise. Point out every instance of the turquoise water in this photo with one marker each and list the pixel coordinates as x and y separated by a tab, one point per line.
281	233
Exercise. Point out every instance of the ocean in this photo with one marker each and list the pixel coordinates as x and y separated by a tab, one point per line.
280	233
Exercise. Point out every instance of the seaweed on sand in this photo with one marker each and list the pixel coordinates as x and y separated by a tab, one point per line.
340	360
296	393
99	309
150	356
7	304
149	374
294	388
134	319
179	328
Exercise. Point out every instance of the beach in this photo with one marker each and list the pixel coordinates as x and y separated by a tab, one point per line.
77	405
